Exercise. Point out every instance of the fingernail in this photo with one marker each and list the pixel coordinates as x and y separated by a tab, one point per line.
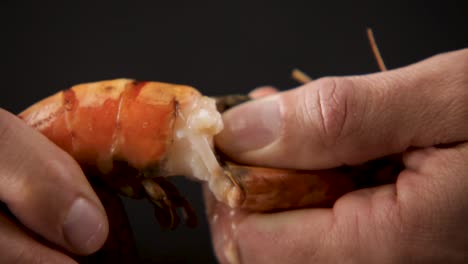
84	227
250	126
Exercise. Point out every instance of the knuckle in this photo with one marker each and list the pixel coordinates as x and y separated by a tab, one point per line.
6	124
333	100
12	160
54	167
28	189
61	170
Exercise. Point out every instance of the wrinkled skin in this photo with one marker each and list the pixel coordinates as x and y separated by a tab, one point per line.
420	111
421	218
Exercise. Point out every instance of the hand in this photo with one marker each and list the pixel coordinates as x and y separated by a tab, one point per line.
52	207
420	111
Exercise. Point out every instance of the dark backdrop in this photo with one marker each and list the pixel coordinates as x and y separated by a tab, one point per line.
219	47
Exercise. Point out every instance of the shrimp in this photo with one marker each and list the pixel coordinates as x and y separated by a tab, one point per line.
136	135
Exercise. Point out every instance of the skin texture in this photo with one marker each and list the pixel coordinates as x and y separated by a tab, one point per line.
420	111
47	205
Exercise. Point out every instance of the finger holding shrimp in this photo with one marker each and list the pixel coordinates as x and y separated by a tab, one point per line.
46	191
330	122
321	124
18	246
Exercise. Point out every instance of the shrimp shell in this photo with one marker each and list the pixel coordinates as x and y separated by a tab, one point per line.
126	131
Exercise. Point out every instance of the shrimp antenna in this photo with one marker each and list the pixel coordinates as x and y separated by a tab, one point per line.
303	78
375	50
300	76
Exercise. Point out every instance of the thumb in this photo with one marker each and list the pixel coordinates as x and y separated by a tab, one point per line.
350	120
47	191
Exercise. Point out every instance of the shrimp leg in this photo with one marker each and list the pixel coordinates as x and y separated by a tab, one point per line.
166	199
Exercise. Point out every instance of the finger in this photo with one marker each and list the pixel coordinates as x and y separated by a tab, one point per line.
120	245
262	91
46	189
432	192
286	237
421	217
335	121
223	222
351	230
16	246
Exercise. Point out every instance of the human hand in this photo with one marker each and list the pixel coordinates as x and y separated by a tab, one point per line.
420	111
55	208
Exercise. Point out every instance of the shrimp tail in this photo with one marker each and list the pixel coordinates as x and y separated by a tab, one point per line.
268	189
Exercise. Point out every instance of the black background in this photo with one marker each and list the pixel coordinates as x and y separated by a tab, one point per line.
219	47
